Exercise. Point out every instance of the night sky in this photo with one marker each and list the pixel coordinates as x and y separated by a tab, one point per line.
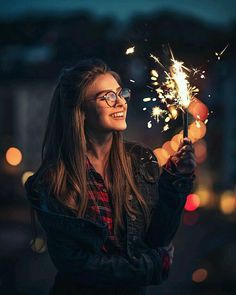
214	11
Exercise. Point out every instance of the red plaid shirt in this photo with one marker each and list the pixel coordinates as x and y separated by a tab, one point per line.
100	207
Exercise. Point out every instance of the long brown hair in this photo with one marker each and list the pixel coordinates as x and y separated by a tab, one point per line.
64	145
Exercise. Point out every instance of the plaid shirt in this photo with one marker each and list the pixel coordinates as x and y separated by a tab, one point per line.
100	207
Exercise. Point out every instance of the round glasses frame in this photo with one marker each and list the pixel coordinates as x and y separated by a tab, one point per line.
111	97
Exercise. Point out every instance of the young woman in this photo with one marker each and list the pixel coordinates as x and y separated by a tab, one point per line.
108	215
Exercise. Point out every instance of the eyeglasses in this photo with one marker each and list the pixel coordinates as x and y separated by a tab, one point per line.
111	97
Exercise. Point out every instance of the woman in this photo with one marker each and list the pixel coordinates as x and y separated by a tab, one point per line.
108	214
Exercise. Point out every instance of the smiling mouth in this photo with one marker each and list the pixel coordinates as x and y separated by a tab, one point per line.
119	115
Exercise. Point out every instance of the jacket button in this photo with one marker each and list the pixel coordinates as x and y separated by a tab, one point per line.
133	217
130	197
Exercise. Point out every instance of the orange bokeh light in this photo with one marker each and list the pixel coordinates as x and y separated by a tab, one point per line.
197	130
198	109
199	275
13	156
162	156
200	151
177	138
168	147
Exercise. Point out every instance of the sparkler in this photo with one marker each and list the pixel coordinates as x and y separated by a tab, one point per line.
175	92
182	86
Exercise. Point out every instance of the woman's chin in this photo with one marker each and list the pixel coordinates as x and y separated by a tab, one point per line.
120	127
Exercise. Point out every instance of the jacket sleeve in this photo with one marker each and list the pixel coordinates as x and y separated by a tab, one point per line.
105	270
172	190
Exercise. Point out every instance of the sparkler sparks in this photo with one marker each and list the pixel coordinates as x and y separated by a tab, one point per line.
182	84
130	50
166	127
157	60
175	92
219	54
157	112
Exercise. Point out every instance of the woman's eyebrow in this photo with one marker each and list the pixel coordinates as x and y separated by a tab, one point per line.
107	90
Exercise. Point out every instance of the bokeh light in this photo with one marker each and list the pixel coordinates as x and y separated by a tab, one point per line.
177	138
192	202
198	109
206	196
39	245
25	176
168	147
228	202
197	130
13	156
199	275
162	156
200	151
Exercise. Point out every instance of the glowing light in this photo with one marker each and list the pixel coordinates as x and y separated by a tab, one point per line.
206	196
146	99
174	145
149	124
173	112
198	109
157	113
177	138
199	275
39	245
162	156
130	50
192	203
200	150
168	147
219	54
13	156
132	81
25	176
154	73
197	129
182	84
228	202
166	127
156	59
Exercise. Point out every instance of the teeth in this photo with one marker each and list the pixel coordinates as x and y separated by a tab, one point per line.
121	114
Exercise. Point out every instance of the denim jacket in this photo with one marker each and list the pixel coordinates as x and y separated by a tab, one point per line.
74	243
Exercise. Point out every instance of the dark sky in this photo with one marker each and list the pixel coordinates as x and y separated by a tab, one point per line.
216	11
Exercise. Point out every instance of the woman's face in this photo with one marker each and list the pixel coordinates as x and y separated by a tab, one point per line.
99	115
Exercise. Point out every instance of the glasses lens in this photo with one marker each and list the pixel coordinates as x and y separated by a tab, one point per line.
125	93
111	98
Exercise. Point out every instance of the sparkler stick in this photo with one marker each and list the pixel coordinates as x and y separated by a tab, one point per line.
185	124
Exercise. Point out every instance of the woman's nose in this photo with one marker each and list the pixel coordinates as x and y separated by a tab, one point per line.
120	101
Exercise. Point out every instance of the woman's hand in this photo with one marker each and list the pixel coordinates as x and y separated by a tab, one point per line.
184	159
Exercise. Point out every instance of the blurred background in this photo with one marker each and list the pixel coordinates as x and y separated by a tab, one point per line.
39	38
